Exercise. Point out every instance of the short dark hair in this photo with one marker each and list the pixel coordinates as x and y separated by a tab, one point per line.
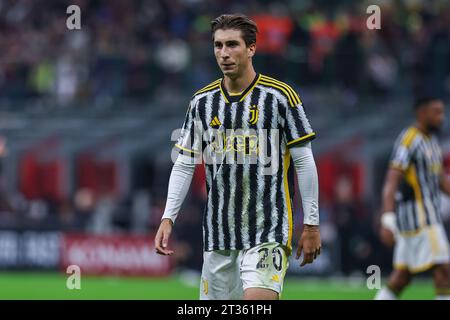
423	101
239	22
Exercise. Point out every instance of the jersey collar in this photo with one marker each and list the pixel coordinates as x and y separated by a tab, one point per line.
243	95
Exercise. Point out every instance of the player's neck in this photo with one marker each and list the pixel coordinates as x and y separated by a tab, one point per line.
240	83
422	128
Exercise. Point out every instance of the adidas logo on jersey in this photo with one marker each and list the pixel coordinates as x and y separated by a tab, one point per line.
215	122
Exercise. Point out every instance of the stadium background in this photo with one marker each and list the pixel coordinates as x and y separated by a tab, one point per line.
86	118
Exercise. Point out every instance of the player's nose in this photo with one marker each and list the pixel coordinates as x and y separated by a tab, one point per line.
224	54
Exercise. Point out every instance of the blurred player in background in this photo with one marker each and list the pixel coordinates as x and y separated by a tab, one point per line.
248	223
412	189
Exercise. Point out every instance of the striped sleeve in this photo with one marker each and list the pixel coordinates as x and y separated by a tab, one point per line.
403	149
189	143
296	127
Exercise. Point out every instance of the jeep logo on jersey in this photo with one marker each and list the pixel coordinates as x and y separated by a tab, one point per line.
253	114
241	143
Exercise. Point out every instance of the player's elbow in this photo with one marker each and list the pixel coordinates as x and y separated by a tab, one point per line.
387	192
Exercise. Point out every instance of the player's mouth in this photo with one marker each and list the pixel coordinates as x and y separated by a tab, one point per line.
227	65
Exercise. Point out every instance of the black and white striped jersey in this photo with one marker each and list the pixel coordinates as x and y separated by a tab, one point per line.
418	197
244	142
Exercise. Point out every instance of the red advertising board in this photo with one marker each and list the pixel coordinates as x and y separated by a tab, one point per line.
114	254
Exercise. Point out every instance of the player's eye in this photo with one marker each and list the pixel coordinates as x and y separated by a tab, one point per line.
218	45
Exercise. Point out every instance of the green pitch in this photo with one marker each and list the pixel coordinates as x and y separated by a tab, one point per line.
15	285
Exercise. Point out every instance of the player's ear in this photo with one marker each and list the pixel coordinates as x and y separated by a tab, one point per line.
251	50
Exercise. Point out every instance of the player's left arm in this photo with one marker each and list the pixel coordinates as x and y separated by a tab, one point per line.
298	133
305	167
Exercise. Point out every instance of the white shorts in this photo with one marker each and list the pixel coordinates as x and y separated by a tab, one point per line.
420	251
227	273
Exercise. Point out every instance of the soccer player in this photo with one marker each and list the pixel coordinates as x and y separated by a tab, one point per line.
412	189
251	127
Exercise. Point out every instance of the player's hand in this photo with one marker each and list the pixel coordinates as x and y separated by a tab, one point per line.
387	237
162	237
388	229
310	244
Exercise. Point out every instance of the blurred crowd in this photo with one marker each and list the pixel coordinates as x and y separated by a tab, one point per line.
145	49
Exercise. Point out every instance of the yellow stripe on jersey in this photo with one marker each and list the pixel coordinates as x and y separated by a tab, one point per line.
223	93
409	136
301	138
291	103
251	89
209	87
294	95
291	91
287	161
211	84
411	178
185	149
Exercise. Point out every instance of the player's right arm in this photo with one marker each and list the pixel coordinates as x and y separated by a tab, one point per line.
179	182
388	223
393	179
399	163
180	179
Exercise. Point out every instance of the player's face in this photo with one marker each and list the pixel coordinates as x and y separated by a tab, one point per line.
435	115
232	54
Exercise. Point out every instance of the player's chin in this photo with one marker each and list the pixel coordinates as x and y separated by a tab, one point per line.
230	72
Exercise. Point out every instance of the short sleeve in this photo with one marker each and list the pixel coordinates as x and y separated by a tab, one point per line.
189	142
403	150
297	128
